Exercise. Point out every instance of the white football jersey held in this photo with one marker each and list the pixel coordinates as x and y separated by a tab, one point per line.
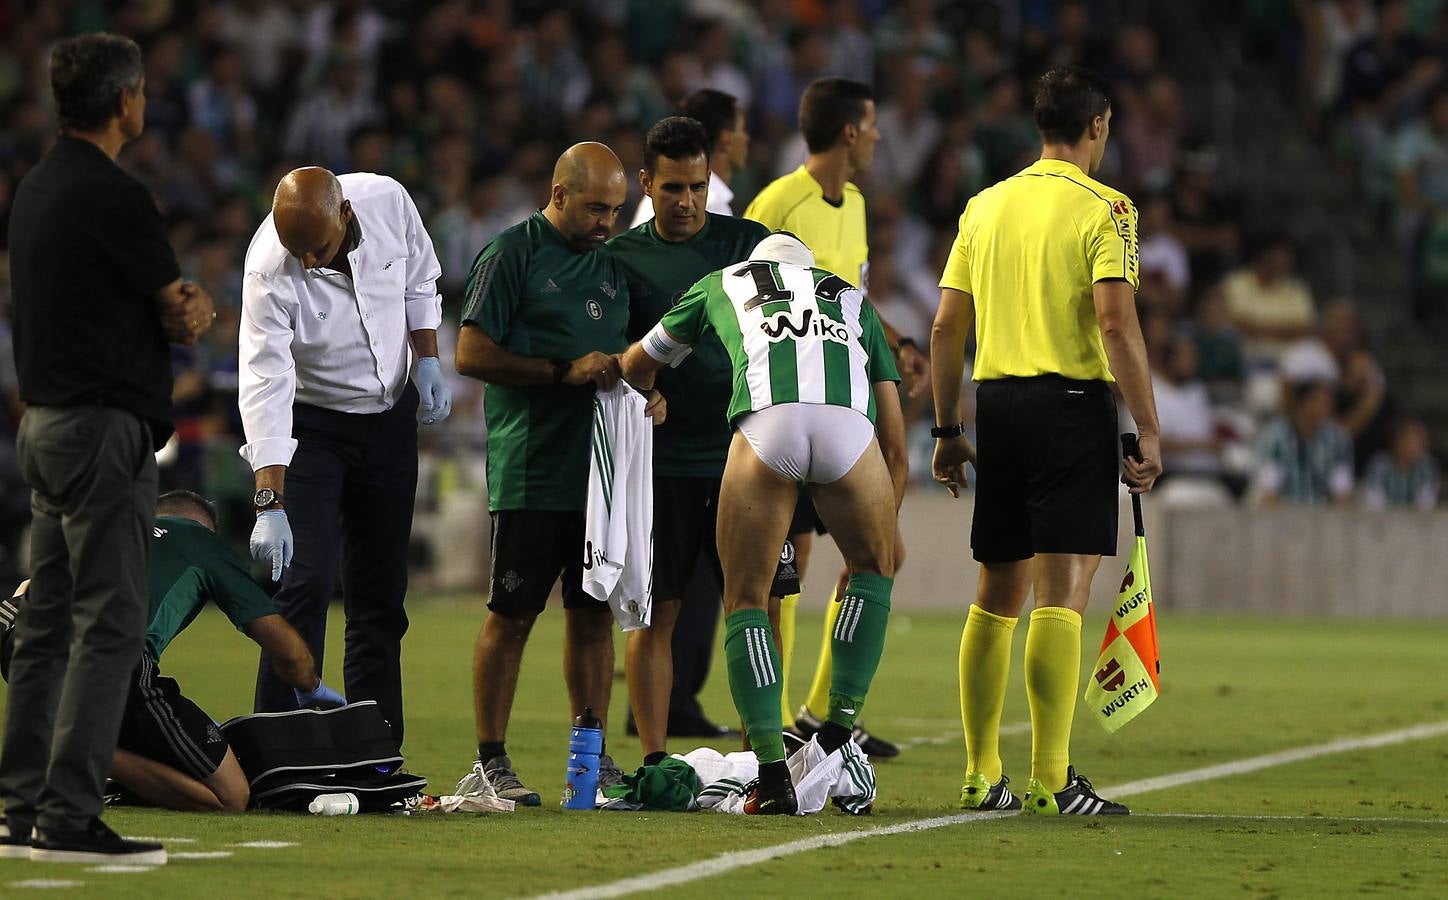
618	535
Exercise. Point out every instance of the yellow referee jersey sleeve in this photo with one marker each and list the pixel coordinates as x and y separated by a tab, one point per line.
1029	250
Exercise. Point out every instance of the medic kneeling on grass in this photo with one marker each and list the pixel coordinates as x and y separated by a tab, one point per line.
170	753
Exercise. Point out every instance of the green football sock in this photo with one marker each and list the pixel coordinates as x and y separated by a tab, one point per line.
858	640
754	680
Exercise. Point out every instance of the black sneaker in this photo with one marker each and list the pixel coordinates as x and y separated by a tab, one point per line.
770	800
977	793
95	844
875	747
1077	798
15	838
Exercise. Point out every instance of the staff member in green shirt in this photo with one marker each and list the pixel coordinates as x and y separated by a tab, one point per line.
662	258
170	753
543	317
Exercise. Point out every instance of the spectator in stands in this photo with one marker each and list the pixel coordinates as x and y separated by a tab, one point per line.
221	103
554	80
716	67
1003	131
166	103
852	45
1219	347
321	122
461	228
1407	476
1205	213
1420	163
1166	273
1190	444
1268	303
265	33
1151	135
1304	455
1333	28
1362	399
909	130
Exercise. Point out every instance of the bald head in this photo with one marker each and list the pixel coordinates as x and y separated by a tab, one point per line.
586	165
311	215
589	190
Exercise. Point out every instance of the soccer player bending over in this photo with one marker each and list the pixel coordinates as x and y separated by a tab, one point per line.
814	402
170	754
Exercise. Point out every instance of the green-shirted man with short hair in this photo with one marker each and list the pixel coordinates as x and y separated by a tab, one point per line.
544	313
170	753
662	259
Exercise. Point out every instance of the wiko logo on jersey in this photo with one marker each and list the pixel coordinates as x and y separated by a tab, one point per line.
794	324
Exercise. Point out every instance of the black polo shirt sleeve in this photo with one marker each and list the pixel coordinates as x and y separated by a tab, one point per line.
133	237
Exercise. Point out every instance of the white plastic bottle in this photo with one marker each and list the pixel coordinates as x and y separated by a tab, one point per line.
335	805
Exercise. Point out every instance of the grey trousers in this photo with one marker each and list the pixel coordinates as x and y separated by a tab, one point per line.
92	475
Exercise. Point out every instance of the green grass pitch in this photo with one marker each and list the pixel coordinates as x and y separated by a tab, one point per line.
1368	821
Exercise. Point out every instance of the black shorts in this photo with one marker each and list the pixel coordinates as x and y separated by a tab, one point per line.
805	521
685	513
1047	468
805	518
160	724
532	549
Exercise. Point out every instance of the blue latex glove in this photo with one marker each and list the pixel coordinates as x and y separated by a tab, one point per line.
271	541
436	396
319	697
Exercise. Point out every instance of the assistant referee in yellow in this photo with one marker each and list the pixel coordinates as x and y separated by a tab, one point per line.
1045	269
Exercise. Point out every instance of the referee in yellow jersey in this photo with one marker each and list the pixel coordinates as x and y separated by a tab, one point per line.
1045	269
820	204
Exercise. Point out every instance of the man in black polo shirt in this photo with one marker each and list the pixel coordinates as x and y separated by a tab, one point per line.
97	295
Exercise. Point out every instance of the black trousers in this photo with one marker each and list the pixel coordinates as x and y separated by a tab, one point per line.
350	491
77	637
693	642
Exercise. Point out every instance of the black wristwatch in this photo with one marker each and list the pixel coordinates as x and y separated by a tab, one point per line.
948	431
266	499
560	369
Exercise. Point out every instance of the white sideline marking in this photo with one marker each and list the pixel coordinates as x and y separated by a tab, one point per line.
43	883
1324	819
1282	758
266	845
727	862
202	854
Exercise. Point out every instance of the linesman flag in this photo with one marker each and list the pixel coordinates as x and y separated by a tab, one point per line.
1126	679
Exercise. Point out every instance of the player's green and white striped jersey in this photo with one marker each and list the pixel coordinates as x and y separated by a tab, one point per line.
793	334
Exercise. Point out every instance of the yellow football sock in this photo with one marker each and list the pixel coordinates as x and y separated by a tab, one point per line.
1053	666
788	606
818	701
985	665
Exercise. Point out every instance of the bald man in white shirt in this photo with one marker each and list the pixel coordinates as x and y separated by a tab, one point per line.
339	299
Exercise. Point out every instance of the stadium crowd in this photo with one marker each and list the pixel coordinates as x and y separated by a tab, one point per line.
1265	390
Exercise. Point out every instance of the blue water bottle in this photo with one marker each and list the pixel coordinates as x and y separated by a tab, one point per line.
584	747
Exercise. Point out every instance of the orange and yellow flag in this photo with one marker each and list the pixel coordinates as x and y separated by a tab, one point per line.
1126	678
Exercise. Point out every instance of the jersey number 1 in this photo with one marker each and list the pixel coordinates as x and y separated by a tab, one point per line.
767	283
